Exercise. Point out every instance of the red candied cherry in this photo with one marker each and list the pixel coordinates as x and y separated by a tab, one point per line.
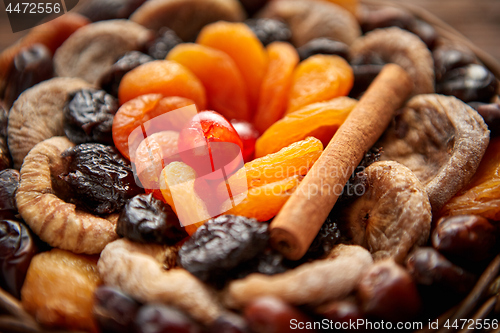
248	135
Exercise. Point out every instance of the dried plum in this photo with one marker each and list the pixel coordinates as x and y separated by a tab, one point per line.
110	81
364	75
270	30
426	32
323	46
31	66
221	244
99	10
158	318
17	247
269	262
146	219
325	240
491	115
447	58
100	177
9	181
88	116
165	40
253	6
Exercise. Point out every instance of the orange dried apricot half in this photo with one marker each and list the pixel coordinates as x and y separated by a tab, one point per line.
273	100
319	78
226	90
320	120
138	111
165	77
58	290
241	44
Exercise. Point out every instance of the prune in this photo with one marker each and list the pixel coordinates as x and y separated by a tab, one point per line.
269	262
9	181
99	10
165	40
465	238
323	45
447	58
491	115
221	244
113	310
470	83
88	116
325	240
363	77
426	32
387	291
101	179
17	247
159	318
429	268
146	219
229	323
31	66
252	6
110	81
5	158
270	30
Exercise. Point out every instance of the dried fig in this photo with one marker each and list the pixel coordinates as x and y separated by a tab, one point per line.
138	270
392	216
186	17
55	221
441	139
93	49
5	159
38	115
313	19
394	45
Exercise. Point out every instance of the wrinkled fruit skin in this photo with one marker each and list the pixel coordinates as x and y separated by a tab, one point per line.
159	318
100	177
146	219
221	244
270	30
325	240
17	247
165	40
269	262
113	310
9	181
323	45
88	116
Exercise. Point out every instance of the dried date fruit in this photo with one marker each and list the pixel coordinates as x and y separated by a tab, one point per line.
441	139
146	219
221	244
159	318
470	83
88	116
100	10
100	177
323	45
114	311
426	32
229	323
429	268
491	115
17	247
344	311
269	30
371	220
465	238
110	80
388	292
9	181
449	57
166	39
31	66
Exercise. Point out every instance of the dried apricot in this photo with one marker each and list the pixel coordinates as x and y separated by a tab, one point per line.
320	120
138	111
226	90
165	77
241	44
319	78
58	290
273	99
482	195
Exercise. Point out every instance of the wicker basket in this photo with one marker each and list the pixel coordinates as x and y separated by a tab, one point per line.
482	302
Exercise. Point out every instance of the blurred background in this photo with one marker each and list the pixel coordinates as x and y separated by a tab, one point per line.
478	20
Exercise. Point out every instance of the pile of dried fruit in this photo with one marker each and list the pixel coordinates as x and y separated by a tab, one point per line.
120	213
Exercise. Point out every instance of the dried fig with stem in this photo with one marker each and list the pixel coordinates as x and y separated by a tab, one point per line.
441	139
392	216
187	17
93	49
314	19
38	115
394	45
55	221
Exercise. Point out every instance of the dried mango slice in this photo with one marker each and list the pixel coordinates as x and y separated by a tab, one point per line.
320	120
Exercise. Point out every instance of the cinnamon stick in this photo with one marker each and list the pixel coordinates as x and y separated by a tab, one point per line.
294	228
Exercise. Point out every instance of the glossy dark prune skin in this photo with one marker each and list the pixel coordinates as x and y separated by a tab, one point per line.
113	310
221	244
269	30
146	219
98	10
9	182
491	115
159	318
363	77
323	45
101	179
17	248
269	262
88	116
325	240
110	81
166	39
465	238
31	66
448	58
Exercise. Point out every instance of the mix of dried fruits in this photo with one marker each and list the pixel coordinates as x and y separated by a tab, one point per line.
91	232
